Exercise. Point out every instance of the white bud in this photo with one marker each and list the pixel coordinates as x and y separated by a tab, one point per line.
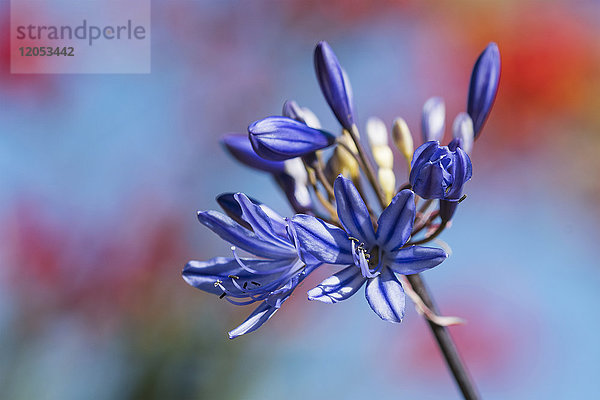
403	139
433	119
376	132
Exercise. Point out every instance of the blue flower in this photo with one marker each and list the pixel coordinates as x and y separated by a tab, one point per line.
439	172
334	84
282	138
269	279
241	149
483	86
371	256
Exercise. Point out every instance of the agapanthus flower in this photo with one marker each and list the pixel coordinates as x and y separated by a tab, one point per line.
433	119
371	256
281	138
439	172
334	84
483	86
269	279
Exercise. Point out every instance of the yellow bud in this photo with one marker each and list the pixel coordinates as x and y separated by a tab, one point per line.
347	163
376	132
403	139
383	157
387	180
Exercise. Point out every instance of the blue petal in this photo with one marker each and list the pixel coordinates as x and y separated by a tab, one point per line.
241	237
324	241
483	86
352	211
282	138
423	153
433	119
396	221
385	296
338	287
233	210
240	148
203	274
415	259
259	316
462	172
334	84
261	223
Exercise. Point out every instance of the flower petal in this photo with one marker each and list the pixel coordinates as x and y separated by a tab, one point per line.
239	236
433	119
204	274
259	316
352	211
462	172
324	241
240	148
415	259
282	138
338	287
483	86
261	223
334	84
385	295
396	221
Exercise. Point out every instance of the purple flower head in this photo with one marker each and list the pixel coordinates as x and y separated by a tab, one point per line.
334	84
370	256
439	172
269	279
483	86
433	119
282	138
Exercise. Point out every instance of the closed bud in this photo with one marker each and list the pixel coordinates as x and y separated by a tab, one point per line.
439	172
387	180
334	84
384	158
240	148
462	129
403	138
282	138
376	132
433	119
483	86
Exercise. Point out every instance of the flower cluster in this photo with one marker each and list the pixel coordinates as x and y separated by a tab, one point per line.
376	244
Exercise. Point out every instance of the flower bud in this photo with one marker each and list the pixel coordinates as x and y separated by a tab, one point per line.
334	84
462	129
376	132
483	86
387	180
433	119
403	138
282	138
439	172
292	110
240	148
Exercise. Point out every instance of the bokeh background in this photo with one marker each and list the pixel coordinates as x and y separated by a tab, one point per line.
101	176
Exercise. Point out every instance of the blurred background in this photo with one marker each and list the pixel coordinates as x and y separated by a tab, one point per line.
101	177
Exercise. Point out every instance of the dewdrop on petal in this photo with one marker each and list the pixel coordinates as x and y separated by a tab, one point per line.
403	139
387	180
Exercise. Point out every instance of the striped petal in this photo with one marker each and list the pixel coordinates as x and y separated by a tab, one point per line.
261	223
237	235
396	221
385	295
282	138
415	259
352	211
325	242
338	287
259	316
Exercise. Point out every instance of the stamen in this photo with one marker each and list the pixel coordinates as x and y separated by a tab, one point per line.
255	283
218	283
233	276
223	295
464	196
